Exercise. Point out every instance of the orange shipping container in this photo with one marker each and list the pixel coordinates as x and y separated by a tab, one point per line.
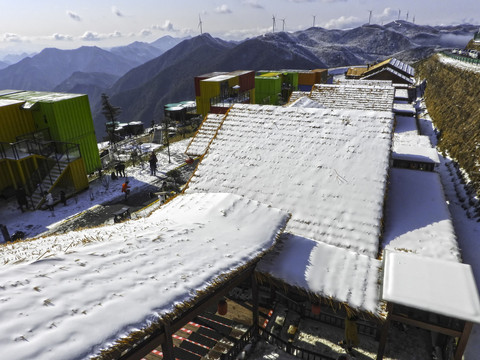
306	78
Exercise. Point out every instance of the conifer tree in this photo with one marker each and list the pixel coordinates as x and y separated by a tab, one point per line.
111	113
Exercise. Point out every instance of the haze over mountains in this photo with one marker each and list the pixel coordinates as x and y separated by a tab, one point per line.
142	77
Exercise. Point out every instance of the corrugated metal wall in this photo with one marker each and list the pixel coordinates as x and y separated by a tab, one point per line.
292	79
247	81
70	120
5	174
267	89
306	78
208	89
14	122
78	175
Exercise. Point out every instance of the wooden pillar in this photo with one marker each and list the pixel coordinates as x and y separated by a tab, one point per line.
12	177
167	346
462	342
384	334
20	171
256	332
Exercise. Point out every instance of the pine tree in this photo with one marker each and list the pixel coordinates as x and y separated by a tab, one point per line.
111	113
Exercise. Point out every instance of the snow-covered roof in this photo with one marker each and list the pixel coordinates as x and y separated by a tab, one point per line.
403	107
406	125
414	148
407	79
328	270
295	95
305	102
387	83
402	66
41	96
417	218
352	96
394	64
121	278
327	167
219	78
434	285
10	102
401	93
199	143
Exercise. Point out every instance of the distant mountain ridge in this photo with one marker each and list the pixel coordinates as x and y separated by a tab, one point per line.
52	66
146	81
49	68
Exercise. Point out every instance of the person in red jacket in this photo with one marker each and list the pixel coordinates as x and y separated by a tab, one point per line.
126	189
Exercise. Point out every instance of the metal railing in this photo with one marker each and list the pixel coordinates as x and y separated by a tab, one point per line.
227	101
291	349
326	317
239	345
464	58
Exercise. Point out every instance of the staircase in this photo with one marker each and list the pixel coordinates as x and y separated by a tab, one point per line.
49	182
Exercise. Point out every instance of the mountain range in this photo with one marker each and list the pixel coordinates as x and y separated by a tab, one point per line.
142	77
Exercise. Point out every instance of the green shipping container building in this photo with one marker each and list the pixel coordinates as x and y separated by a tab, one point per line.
47	143
268	89
68	118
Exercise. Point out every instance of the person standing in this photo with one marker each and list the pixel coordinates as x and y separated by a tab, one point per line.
63	198
126	189
120	169
49	200
21	198
153	163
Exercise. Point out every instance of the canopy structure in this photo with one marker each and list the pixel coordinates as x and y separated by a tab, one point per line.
433	286
62	295
442	287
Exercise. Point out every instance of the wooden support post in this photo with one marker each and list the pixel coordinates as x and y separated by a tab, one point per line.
384	334
255	305
20	171
10	172
167	346
462	342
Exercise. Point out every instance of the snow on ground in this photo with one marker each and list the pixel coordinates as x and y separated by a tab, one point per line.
467	230
459	64
33	223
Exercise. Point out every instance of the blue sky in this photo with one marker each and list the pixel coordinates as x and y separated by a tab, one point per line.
31	25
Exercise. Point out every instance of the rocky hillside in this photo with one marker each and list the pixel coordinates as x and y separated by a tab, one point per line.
452	96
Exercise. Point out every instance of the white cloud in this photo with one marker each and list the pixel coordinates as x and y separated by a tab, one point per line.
344	22
322	1
10	37
117	12
223	9
115	34
387	15
62	37
90	36
145	32
74	16
253	3
244	33
167	26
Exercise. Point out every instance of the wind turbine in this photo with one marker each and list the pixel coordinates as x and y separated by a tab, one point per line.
407	15
399	12
370	16
314	16
273	18
200	24
413	19
283	24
